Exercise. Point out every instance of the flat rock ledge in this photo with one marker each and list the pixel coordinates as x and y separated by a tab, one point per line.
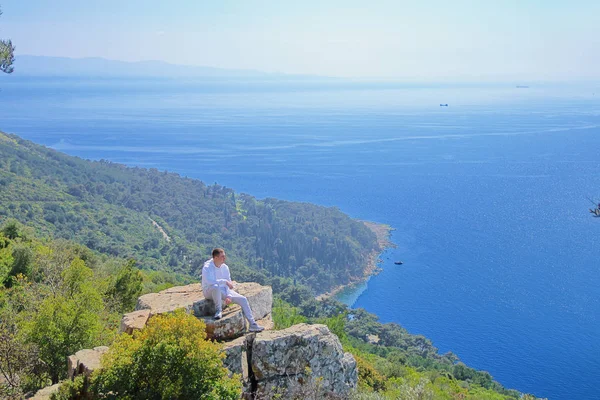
191	299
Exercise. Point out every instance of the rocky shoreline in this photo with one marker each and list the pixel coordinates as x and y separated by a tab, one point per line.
383	233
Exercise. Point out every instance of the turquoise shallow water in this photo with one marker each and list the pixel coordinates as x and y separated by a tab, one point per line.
488	196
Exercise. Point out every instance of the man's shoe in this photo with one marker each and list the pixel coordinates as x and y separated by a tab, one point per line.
256	328
218	315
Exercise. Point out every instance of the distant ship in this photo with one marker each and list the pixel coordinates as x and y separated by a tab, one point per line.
443	105
398	262
522	87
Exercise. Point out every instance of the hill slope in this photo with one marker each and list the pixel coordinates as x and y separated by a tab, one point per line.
130	211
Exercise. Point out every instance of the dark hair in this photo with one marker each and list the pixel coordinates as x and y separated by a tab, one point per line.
217	252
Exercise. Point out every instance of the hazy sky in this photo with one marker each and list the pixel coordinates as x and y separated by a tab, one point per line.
428	39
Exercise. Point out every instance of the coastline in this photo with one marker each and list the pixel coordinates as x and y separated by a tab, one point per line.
383	233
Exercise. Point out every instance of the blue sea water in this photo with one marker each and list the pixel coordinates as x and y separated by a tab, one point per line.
489	196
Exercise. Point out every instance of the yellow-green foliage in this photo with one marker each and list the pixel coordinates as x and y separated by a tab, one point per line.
379	378
285	315
169	359
368	377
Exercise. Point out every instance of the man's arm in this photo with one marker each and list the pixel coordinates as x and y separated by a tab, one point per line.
207	280
227	274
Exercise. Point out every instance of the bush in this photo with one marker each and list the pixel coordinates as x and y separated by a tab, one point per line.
169	359
72	390
368	377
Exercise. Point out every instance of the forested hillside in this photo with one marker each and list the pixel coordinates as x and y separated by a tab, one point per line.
57	297
118	210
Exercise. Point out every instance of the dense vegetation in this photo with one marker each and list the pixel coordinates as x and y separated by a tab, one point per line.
169	359
58	297
392	363
113	209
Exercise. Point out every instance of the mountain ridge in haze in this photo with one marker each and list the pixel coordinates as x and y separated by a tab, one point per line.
29	65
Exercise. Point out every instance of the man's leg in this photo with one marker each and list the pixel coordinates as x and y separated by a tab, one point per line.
216	295
243	302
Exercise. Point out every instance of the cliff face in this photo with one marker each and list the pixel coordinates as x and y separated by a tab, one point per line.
291	362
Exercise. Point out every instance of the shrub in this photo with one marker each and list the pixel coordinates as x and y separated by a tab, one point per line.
169	359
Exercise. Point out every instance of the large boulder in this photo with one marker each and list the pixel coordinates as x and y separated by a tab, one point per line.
284	362
191	299
85	361
260	298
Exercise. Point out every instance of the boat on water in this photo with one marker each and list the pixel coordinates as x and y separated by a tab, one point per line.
398	262
444	105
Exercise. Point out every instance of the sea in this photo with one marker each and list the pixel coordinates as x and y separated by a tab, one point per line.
489	196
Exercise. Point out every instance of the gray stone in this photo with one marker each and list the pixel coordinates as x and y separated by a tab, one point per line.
85	361
266	322
134	321
230	326
289	359
236	357
45	393
260	298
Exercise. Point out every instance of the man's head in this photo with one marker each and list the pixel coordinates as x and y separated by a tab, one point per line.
218	256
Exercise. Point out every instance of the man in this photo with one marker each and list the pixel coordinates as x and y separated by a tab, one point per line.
218	286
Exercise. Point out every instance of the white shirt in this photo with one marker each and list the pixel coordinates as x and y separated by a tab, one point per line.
214	276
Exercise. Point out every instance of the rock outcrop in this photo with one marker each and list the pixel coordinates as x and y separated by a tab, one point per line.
298	361
283	361
191	299
85	361
290	362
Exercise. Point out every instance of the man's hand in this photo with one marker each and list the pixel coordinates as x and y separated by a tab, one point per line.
227	301
230	284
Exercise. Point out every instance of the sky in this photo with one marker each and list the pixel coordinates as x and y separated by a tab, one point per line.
412	40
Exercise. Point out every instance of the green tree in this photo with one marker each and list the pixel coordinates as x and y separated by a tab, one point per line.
6	258
18	359
67	321
11	229
126	288
7	57
169	359
22	256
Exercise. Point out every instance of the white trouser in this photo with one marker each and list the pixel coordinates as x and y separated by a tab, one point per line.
218	294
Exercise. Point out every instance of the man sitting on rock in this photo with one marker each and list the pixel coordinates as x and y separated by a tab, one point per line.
218	286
